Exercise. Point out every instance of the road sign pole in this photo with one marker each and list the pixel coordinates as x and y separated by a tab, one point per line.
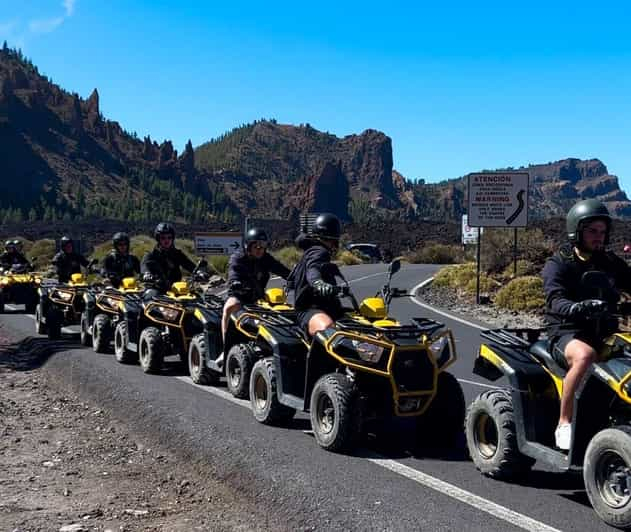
477	282
515	254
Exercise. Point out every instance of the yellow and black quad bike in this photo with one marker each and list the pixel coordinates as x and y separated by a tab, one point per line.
369	368
102	312
148	329
18	286
241	350
510	428
60	304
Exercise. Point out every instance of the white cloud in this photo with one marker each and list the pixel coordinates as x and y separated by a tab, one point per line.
69	7
45	25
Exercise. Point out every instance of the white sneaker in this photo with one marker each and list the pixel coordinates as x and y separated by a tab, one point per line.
563	436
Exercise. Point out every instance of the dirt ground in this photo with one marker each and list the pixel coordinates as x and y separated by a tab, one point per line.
67	465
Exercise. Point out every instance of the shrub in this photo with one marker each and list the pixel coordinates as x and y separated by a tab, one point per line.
456	276
44	250
497	246
220	264
289	256
436	254
524	267
522	293
347	258
487	284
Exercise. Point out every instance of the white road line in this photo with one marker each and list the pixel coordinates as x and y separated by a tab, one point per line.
479	503
437	311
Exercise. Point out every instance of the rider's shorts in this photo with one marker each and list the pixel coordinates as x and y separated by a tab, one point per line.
559	343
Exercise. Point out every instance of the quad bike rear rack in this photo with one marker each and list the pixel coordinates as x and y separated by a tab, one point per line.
419	327
513	338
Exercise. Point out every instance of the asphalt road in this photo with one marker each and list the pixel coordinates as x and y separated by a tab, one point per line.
306	487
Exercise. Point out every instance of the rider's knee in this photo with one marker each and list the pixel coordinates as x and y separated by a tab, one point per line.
580	354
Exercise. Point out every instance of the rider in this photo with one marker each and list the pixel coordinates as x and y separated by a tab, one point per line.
67	261
12	255
313	278
161	266
248	273
119	263
571	316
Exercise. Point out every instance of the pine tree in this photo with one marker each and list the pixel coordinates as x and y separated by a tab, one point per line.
32	215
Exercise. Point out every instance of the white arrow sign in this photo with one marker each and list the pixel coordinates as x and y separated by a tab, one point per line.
217	243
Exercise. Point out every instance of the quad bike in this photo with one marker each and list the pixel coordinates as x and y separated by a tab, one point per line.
102	311
60	304
509	428
369	368
241	350
18	286
148	329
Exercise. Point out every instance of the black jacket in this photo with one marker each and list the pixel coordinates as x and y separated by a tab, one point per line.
165	266
562	285
252	275
315	264
9	259
67	264
116	267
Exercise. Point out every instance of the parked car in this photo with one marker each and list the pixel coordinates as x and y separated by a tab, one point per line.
367	252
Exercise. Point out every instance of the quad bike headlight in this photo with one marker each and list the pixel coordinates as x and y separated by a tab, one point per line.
367	351
168	313
442	351
64	296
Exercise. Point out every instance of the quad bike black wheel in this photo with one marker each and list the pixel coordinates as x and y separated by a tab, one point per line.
1	302
29	307
239	362
442	425
606	471
151	350
121	337
263	397
491	436
40	326
53	324
335	413
101	333
84	336
197	356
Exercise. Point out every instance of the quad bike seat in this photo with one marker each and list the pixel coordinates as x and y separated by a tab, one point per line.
541	350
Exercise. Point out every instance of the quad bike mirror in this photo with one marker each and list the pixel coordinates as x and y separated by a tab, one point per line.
596	285
394	267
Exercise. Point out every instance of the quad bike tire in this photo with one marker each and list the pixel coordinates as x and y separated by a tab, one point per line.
491	436
336	418
197	355
40	326
85	336
53	325
1	302
101	333
121	338
442	425
605	470
151	350
29	308
239	362
263	395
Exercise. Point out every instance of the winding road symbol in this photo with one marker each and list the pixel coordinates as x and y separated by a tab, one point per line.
235	245
520	207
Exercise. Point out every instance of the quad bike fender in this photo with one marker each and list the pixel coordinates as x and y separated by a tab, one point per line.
490	365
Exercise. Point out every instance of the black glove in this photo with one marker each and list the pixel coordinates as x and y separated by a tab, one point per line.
202	277
238	288
589	308
324	289
149	277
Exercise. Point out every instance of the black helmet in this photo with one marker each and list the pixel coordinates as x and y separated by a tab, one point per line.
18	244
8	244
65	240
327	226
163	228
120	238
583	212
255	234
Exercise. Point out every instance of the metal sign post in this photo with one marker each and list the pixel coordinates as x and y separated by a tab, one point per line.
477	281
497	199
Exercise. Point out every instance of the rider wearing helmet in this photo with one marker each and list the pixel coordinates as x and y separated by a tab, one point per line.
67	261
119	263
12	255
313	278
161	266
248	273
572	314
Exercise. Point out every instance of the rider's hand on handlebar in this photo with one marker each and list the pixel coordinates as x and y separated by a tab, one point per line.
589	308
324	289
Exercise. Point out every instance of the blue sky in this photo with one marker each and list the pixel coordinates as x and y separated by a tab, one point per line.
458	86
